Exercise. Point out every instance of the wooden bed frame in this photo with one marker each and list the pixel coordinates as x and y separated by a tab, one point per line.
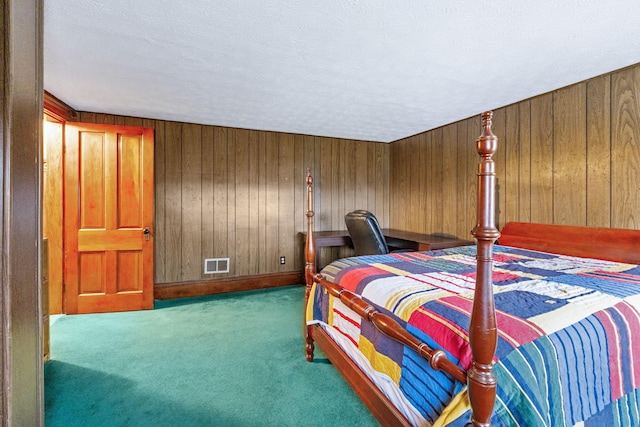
610	244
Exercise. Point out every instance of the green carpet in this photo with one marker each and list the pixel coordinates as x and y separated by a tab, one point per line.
222	360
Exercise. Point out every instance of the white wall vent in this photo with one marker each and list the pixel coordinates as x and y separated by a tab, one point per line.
216	265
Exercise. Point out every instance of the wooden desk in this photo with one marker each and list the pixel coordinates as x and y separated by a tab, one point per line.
330	238
396	239
421	242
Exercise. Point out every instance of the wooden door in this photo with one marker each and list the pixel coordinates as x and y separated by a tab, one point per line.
108	202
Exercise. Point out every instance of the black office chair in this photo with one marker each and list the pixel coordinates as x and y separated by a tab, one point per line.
365	233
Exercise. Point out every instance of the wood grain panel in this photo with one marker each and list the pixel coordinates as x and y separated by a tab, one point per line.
500	159
598	152
133	121
450	178
160	234
242	210
462	185
231	200
221	187
625	144
413	185
52	210
191	202
423	176
173	202
398	198
286	206
337	180
383	182
345	178
272	208
429	183
569	156
437	180
511	142
323	187
338	204
253	214
361	166
92	271
473	124
542	159
129	184
262	200
129	272
318	165
348	172
207	188
524	164
92	185
302	145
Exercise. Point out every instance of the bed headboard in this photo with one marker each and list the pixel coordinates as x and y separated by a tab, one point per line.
612	244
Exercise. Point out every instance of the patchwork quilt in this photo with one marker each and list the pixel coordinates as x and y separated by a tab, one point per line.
568	348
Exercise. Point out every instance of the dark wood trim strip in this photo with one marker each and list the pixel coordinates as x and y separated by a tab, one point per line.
227	284
21	331
58	110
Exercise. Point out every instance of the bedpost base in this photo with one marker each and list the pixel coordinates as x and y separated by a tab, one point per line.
482	391
310	347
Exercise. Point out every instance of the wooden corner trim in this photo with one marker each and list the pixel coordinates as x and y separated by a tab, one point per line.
58	110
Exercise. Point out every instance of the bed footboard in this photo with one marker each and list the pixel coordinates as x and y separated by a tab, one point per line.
480	379
387	325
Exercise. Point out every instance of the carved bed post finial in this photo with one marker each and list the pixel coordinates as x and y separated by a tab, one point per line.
482	330
310	258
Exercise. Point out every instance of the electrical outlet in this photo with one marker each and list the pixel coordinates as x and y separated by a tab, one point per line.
282	260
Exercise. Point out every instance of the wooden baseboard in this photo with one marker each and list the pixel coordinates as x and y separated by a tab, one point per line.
198	288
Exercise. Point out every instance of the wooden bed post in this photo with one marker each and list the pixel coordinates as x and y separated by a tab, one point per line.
482	330
310	266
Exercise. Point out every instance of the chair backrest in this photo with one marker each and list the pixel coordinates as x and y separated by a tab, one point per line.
365	233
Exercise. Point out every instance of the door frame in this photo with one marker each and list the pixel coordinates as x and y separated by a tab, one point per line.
21	101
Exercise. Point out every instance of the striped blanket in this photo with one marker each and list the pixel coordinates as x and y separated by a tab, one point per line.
568	348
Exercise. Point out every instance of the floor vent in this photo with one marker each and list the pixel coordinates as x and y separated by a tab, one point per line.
216	265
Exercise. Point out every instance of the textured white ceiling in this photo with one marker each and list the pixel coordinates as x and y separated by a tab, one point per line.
376	70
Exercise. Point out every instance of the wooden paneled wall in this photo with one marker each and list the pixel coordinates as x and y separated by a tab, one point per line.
567	157
225	192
